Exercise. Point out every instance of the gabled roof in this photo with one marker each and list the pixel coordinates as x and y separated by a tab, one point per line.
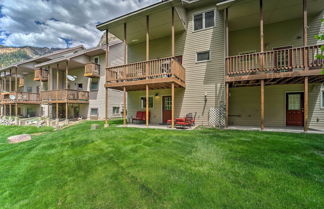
43	58
87	52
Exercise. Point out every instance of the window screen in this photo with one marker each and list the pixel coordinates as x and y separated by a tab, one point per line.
203	56
209	19
198	22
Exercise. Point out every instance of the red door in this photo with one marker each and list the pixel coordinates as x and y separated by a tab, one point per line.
167	108
295	109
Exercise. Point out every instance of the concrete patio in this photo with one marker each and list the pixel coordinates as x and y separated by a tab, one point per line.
288	129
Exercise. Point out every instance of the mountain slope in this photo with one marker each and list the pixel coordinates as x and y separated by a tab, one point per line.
11	55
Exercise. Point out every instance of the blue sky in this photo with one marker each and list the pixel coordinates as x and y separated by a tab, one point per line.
59	23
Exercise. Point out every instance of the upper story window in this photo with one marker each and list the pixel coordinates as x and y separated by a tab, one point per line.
94	86
203	56
96	60
204	20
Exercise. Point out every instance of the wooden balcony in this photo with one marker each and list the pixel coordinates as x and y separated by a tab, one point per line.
92	70
65	96
20	98
41	75
158	74
275	64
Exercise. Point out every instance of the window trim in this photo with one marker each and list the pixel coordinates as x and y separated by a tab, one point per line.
151	96
202	61
203	20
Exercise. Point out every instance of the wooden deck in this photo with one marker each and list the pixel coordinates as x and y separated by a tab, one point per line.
20	98
276	67
65	96
158	74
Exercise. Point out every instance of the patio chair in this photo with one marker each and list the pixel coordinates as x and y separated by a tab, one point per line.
140	116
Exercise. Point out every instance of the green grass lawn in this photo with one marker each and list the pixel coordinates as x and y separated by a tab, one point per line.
146	168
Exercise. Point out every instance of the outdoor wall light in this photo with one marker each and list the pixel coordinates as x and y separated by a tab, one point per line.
205	96
157	96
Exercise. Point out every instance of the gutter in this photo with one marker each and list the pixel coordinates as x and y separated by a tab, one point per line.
225	4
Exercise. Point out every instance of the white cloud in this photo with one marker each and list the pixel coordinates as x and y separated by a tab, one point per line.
48	22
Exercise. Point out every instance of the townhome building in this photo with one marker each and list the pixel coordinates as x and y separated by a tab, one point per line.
20	93
255	62
63	86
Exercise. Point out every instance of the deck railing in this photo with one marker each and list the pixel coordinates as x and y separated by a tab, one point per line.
153	69
92	70
17	97
64	95
40	75
282	60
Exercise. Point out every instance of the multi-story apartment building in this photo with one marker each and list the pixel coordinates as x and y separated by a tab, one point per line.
65	85
19	91
256	58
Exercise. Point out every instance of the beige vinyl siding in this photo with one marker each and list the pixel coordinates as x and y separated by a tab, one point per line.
206	77
245	105
201	78
287	33
316	113
115	97
155	112
159	48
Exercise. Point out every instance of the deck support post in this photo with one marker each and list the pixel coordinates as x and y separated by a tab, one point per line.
10	80
147	106
306	67
262	106
50	78
306	104
106	93
57	114
10	111
147	44
173	34
106	109
227	105
16	90
172	98
57	88
5	82
67	87
124	111
261	58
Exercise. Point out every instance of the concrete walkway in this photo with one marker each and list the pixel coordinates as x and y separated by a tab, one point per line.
153	126
276	129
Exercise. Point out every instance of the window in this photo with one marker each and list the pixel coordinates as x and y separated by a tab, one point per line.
96	60
203	56
143	102
94	111
204	20
94	84
294	101
116	110
80	86
322	97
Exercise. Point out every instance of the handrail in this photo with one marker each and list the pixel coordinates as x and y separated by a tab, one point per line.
20	97
64	95
157	68
281	60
